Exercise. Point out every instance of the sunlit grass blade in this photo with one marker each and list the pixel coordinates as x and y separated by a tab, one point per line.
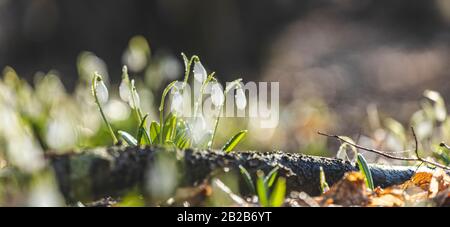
169	127
185	143
248	179
181	139
142	136
323	182
261	189
365	170
161	109
271	176
128	138
231	144
154	132
278	194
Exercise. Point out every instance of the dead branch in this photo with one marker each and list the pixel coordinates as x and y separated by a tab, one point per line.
112	171
418	158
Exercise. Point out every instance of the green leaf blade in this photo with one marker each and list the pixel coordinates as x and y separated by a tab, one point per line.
154	132
365	170
234	141
279	193
262	190
129	139
142	136
270	178
248	179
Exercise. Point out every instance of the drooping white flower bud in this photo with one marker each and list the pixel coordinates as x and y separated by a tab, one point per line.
124	87
200	73
217	96
102	91
177	103
241	100
135	101
124	91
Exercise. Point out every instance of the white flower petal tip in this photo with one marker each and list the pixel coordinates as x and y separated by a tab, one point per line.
137	101
102	92
124	69
177	103
133	98
124	91
217	96
200	73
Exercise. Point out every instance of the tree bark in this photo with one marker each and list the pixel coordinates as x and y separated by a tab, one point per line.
110	171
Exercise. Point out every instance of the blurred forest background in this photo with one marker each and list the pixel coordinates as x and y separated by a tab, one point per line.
338	61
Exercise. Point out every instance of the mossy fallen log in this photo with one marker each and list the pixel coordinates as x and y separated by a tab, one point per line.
111	171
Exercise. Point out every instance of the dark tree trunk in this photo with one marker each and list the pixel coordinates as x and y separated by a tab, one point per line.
110	171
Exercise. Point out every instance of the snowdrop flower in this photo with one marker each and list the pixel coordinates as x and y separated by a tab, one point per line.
241	100
135	101
124	88
177	102
200	73
127	91
102	91
217	96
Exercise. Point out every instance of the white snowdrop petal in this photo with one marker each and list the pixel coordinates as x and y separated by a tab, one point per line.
137	101
177	103
241	100
200	73
102	92
178	86
217	96
124	91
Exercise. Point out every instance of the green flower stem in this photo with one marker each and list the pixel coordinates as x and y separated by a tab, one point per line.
136	109
216	124
161	110
94	92
132	89
202	90
188	67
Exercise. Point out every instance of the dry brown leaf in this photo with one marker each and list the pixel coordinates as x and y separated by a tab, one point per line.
392	196
431	182
418	191
420	179
439	182
387	200
350	191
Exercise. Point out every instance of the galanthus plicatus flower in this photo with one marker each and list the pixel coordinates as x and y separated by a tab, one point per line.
124	87
124	91
200	73
127	91
134	101
241	100
102	91
217	96
177	102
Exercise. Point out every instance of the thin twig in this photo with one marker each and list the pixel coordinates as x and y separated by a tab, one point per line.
384	154
442	144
